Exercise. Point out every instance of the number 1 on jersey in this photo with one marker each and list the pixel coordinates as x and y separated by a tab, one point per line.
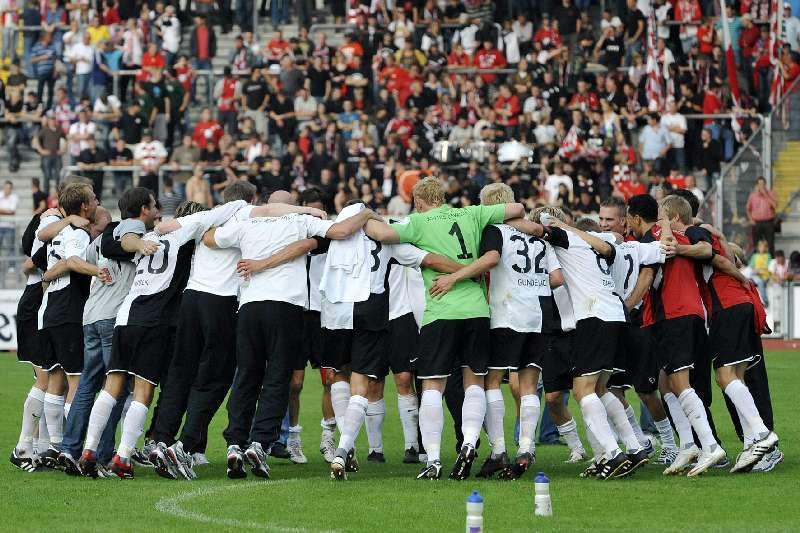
455	230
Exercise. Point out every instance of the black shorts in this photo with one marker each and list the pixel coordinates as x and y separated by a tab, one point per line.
678	342
363	351
312	342
594	346
404	343
513	350
556	369
447	345
732	336
28	324
142	351
61	346
635	348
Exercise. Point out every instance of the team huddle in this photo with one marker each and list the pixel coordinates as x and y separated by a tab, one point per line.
238	300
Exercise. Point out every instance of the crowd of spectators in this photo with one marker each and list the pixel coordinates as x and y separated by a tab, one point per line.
566	79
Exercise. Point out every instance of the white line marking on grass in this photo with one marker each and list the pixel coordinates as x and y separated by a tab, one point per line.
172	505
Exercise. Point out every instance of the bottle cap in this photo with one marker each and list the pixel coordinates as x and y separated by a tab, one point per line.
541	478
474	497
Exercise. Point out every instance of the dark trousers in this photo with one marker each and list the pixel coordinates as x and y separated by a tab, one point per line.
765	229
756	380
41	83
201	369
267	338
454	399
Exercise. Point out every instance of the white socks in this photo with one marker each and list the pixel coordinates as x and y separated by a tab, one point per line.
597	448
431	423
54	414
340	396
594	415
747	431
328	425
637	428
409	418
682	424
31	413
665	432
294	432
101	412
696	413
495	410
569	430
620	420
473	411
376	413
351	421
67	407
529	407
746	406
43	443
132	429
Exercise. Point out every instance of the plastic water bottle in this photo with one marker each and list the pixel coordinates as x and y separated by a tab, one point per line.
542	504
474	513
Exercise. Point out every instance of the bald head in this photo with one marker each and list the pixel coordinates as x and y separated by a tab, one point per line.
281	197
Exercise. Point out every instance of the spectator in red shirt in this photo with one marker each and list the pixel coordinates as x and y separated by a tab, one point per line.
278	47
153	59
507	107
705	37
111	13
207	129
547	36
585	99
630	188
351	49
489	57
748	37
203	44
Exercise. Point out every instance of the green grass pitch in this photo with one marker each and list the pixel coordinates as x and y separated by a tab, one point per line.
387	497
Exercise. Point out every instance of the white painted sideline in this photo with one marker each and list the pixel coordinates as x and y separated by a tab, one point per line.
172	505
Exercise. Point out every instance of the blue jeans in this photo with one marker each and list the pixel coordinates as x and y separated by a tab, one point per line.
8	241
285	424
280	12
83	85
201	64
646	420
635	48
96	356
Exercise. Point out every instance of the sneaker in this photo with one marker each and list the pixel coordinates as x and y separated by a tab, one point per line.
161	462
707	460
68	464
591	470
666	457
376	457
682	460
49	459
200	459
326	446
142	457
279	451
618	466
182	461
577	455
104	472
235	463
22	461
638	459
351	462
521	465
411	456
258	460
493	465
431	471
88	464
765	445
464	462
338	466
295	447
769	461
122	469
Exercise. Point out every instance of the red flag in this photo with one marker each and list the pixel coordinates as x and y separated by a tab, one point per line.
654	74
775	31
730	62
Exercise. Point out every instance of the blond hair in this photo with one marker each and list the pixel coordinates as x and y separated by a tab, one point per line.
430	190
496	193
675	206
74	196
555	212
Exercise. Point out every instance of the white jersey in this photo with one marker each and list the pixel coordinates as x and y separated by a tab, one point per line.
629	258
315	263
519	285
214	270
373	313
407	289
160	278
587	277
36	275
65	296
261	237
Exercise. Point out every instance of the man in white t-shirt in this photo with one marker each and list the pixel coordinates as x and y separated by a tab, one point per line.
675	124
79	134
150	154
554	181
8	208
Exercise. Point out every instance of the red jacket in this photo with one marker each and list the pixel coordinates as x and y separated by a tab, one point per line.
493	58
205	131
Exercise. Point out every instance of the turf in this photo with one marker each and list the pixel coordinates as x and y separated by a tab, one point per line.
386	497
